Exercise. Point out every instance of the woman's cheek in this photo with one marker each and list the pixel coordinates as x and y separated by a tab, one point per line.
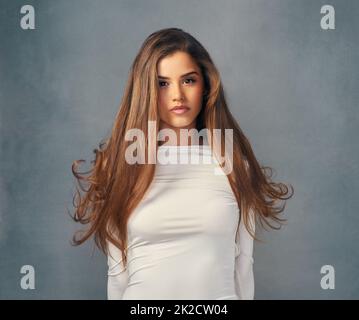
197	98
162	104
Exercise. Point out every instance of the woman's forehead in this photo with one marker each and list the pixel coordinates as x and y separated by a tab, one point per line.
176	65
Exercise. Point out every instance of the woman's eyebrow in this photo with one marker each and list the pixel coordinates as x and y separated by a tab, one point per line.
184	75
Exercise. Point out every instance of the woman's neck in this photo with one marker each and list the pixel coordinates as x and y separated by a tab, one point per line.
187	139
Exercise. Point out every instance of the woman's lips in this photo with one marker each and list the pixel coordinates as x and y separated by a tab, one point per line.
180	110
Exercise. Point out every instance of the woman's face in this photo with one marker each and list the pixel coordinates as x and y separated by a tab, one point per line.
180	83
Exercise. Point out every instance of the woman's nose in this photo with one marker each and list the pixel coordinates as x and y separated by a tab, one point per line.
177	93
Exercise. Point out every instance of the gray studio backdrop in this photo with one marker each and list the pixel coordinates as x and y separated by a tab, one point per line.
292	86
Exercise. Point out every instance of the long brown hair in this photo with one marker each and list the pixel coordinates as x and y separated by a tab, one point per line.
114	187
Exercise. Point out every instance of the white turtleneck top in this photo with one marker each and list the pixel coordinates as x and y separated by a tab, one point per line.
182	239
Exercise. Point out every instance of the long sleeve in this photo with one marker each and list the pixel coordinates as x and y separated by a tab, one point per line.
117	275
243	275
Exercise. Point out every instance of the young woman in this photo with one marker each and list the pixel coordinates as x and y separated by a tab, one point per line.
173	230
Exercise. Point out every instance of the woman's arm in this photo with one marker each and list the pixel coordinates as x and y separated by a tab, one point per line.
117	275
243	274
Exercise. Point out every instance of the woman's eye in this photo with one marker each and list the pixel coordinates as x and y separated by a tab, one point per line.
162	83
190	80
187	81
